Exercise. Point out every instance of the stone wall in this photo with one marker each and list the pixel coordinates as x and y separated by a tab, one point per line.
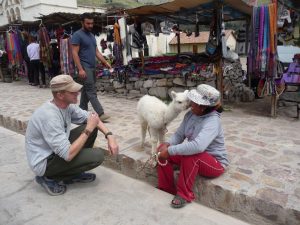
291	98
161	85
157	85
235	89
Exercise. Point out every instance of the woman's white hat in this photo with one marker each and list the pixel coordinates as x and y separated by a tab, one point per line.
204	95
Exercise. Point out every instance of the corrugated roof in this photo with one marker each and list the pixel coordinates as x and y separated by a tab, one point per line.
201	39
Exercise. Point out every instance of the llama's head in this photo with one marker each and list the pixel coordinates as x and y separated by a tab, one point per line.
180	100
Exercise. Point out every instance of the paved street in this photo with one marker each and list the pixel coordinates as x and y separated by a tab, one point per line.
112	199
262	184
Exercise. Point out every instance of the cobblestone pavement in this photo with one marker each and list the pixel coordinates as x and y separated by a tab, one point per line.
262	185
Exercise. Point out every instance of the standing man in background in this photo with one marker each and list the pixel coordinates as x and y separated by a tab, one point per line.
33	51
85	51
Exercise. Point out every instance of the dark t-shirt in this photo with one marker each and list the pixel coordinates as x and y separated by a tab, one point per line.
87	49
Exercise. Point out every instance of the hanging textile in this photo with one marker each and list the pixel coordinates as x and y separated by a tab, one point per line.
273	42
110	33
124	39
117	49
66	57
45	49
262	56
59	32
2	42
13	48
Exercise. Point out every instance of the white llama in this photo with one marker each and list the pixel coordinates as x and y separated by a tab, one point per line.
156	115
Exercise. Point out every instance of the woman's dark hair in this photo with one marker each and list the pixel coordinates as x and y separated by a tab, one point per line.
84	16
209	109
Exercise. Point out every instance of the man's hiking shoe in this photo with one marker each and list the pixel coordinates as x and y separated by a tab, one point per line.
51	186
81	178
104	117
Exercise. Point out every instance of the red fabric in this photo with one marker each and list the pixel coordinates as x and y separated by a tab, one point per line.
190	165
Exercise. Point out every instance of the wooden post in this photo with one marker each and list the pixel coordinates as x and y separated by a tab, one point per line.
274	105
178	39
274	96
246	51
219	79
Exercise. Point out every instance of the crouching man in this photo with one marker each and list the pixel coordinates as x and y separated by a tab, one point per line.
57	154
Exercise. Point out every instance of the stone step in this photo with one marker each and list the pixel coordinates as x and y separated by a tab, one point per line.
224	194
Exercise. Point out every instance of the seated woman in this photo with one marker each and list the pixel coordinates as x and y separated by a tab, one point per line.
292	75
204	151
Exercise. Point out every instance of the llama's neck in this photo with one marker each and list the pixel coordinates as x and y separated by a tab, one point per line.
170	114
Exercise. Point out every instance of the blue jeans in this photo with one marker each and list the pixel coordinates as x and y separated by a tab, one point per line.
89	92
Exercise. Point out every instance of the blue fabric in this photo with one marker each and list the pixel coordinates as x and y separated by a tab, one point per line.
265	50
87	51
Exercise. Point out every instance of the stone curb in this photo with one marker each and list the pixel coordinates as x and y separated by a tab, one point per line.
235	203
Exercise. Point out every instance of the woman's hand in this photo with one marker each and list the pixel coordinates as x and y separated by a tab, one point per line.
164	154
163	146
163	150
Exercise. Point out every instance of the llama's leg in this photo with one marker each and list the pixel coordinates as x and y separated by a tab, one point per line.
144	126
154	139
161	136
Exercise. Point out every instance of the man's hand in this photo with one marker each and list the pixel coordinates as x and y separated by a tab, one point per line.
112	145
92	121
82	74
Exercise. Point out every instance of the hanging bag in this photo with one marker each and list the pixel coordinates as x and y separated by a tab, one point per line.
212	43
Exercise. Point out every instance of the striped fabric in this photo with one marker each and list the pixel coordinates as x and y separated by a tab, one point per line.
66	58
262	58
45	50
13	49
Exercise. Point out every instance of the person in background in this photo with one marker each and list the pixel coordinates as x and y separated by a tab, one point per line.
58	155
26	58
33	51
55	69
197	147
85	52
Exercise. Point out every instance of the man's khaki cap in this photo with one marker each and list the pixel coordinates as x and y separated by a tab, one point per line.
64	82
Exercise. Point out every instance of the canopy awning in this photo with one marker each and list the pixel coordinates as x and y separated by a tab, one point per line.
185	10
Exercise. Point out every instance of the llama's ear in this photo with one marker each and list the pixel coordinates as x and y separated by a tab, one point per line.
173	94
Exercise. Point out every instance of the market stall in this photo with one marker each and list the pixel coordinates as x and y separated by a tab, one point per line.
171	17
53	33
271	24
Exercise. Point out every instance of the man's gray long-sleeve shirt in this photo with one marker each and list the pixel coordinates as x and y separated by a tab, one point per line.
203	133
46	133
